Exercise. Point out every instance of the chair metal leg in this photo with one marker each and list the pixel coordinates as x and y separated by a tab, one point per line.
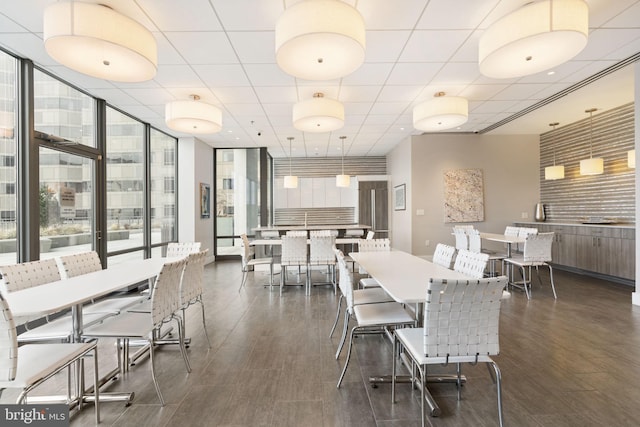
96	385
498	391
343	338
153	370
335	322
204	322
393	370
244	279
183	349
553	286
346	362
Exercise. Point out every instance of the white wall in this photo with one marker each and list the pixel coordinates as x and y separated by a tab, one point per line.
510	166
195	163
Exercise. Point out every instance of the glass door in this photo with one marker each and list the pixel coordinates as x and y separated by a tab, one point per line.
67	214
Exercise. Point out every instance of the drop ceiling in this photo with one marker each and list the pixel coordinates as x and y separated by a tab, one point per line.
223	51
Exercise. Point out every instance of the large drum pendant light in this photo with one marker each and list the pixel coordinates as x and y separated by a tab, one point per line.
95	40
440	113
318	114
320	40
538	36
193	116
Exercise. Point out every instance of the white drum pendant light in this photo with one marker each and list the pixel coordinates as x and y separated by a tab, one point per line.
591	166
193	116
94	39
343	180
320	40
440	113
318	114
538	36
290	181
554	172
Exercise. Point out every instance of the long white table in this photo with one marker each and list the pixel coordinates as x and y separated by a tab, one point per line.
278	242
73	292
405	277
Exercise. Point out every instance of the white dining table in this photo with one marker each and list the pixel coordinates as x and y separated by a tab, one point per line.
73	292
405	277
278	242
503	238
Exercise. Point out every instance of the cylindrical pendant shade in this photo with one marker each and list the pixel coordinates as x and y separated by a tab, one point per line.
631	158
593	166
440	113
320	40
94	39
193	117
343	180
554	172
290	181
538	36
318	114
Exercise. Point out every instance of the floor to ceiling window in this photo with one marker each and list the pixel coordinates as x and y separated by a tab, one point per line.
8	151
163	190
239	191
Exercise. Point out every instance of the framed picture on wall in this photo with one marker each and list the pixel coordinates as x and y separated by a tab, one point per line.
399	197
205	200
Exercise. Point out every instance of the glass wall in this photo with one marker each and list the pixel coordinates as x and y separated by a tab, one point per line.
62	111
237	197
137	196
125	181
8	152
163	188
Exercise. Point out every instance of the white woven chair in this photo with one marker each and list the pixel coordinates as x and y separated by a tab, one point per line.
294	254
181	249
28	366
461	321
537	252
475	245
127	326
371	245
360	296
35	273
470	263
462	240
379	317
249	262
321	253
191	288
443	255
88	262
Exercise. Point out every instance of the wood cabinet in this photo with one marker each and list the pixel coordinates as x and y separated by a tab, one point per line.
608	250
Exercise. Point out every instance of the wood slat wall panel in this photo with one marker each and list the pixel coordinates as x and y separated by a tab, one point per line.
322	167
315	216
610	195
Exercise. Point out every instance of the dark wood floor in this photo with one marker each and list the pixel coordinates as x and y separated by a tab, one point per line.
574	361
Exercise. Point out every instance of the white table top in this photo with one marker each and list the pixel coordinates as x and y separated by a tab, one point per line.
312	227
57	296
502	238
267	242
402	275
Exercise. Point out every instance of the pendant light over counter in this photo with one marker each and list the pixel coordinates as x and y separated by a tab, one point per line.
320	40
290	181
556	171
591	166
536	37
95	40
343	180
193	116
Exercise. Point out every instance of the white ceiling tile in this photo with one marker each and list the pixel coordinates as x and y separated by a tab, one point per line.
369	74
177	76
268	75
603	41
434	45
399	94
385	46
413	73
240	94
254	47
457	73
272	95
170	15
204	47
386	15
519	91
222	75
444	14
248	15
479	92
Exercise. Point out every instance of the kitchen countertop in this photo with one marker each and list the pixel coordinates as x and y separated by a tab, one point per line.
578	224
